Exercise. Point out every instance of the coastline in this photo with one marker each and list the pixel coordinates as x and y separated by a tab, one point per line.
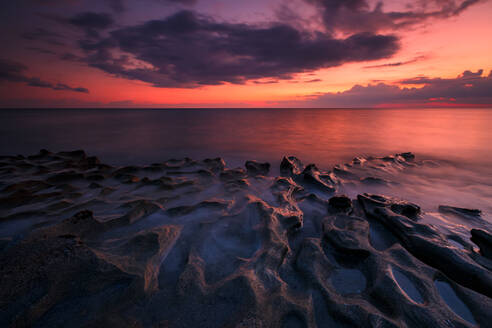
184	243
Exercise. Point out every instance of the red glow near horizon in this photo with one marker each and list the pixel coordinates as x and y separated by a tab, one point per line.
429	50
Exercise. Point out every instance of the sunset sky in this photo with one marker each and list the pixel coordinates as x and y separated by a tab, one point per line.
256	53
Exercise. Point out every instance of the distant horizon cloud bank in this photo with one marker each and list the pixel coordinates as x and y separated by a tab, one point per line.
191	53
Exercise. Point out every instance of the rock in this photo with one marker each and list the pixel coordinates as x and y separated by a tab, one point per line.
312	176
215	165
291	166
233	174
348	234
407	156
225	247
340	203
64	177
56	281
407	209
76	154
428	245
255	168
483	239
374	181
463	212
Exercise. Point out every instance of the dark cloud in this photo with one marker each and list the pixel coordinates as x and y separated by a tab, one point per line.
117	5
91	22
359	15
468	88
189	50
44	35
11	71
41	50
396	64
183	2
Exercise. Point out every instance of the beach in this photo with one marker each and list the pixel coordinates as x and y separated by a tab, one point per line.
185	243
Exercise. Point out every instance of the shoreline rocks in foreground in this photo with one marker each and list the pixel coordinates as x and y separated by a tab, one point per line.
188	243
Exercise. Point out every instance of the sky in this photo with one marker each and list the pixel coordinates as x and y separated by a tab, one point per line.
256	53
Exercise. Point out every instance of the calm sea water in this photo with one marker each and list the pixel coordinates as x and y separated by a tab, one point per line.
321	136
460	138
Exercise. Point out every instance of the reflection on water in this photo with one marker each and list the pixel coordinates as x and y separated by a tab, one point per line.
459	138
325	137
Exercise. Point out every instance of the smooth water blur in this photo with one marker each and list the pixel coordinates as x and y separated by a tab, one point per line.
460	140
321	136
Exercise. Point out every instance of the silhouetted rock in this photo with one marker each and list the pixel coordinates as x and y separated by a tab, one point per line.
463	212
312	176
187	243
484	240
291	166
342	203
255	168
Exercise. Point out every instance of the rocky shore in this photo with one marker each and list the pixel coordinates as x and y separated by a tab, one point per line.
187	243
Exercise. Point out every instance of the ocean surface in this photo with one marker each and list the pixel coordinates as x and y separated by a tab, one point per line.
459	141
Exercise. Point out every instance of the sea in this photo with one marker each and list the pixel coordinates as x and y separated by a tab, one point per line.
458	140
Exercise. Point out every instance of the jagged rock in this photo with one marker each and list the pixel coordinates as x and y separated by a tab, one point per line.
312	176
428	245
407	156
77	154
348	234
215	165
65	177
233	174
291	166
227	248
374	181
58	281
340	203
463	212
255	168
484	240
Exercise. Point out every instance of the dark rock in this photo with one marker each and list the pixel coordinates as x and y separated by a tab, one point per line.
233	174
291	166
407	156
374	181
342	203
348	234
428	245
463	212
215	165
484	240
95	185
312	176
64	177
255	168
76	154
42	276
407	209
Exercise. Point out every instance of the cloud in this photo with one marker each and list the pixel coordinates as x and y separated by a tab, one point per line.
396	64
92	22
359	15
11	71
470	88
45	35
182	2
119	6
190	50
41	50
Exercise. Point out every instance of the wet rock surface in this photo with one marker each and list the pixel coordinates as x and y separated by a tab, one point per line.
187	243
